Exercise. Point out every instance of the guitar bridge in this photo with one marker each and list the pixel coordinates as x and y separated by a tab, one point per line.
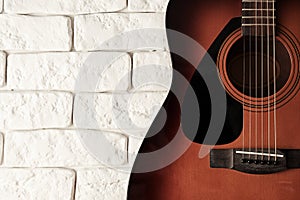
255	162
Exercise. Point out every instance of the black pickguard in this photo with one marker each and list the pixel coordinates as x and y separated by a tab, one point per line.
234	116
158	136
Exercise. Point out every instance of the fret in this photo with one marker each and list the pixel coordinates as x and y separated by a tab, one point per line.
257	13
258	30
258	9
255	20
258	24
259	5
258	17
259	1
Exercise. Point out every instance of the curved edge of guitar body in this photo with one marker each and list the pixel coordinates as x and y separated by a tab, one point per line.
191	178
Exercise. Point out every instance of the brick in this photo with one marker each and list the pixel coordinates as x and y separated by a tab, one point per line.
101	31
101	183
152	71
134	145
108	71
61	148
36	184
27	33
1	147
63	7
131	113
148	5
34	110
2	68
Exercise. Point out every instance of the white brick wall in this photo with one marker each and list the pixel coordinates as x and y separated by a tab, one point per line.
61	83
63	7
2	68
52	148
59	71
118	112
35	110
91	31
1	147
148	5
36	184
152	71
28	33
1	6
110	184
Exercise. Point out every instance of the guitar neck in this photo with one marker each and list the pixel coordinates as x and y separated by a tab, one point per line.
258	17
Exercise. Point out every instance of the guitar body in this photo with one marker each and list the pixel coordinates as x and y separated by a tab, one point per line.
216	25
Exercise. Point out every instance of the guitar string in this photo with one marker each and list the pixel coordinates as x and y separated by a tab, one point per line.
256	78
274	76
268	79
262	86
244	78
250	92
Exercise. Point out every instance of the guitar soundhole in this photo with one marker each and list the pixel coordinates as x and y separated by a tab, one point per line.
250	67
252	75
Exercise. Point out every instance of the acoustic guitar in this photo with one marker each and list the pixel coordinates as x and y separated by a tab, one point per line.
253	46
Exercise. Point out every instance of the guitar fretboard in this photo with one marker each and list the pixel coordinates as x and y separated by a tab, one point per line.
258	17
